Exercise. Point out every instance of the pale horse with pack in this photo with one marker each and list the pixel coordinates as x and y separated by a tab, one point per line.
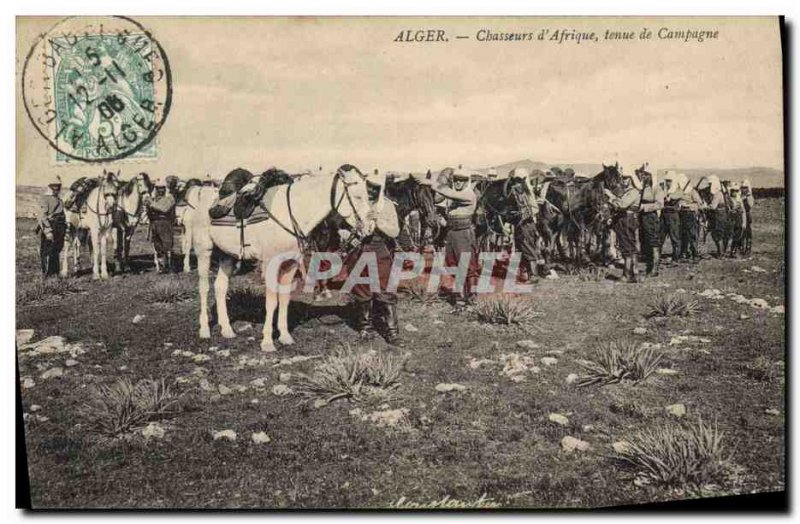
98	219
294	210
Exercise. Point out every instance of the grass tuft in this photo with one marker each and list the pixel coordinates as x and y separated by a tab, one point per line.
348	374
246	301
691	454
169	291
417	292
505	310
618	361
123	406
48	288
674	306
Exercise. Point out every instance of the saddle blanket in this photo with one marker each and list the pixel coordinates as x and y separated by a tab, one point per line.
260	213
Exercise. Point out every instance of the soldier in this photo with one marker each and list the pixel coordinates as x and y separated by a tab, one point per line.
652	200
718	218
52	227
525	234
736	218
461	202
670	217
626	208
690	207
749	202
161	212
381	228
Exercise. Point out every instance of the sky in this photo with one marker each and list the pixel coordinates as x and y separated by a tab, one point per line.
298	93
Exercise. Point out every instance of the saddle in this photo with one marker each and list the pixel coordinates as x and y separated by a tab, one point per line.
79	192
241	192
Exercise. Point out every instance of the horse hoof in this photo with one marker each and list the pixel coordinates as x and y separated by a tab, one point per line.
95	276
268	347
205	332
228	333
286	340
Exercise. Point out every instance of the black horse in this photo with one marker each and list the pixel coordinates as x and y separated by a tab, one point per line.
577	209
412	195
501	203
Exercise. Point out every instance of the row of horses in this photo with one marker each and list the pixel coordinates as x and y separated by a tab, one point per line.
305	214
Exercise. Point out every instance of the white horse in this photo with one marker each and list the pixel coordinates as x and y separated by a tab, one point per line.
99	221
186	216
133	197
296	209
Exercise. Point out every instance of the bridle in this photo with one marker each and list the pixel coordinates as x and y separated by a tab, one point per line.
338	178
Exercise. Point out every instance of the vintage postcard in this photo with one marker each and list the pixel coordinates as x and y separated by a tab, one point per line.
400	263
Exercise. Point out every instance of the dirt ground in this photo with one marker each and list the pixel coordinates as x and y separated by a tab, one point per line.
494	438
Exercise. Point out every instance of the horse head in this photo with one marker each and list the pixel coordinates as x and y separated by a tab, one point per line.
349	197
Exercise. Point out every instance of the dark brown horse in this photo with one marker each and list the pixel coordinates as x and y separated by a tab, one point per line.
577	209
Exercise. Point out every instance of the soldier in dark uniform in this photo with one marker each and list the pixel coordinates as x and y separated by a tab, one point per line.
382	227
161	212
460	237
626	209
52	228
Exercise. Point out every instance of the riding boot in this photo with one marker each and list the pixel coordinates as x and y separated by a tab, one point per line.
656	256
392	336
366	331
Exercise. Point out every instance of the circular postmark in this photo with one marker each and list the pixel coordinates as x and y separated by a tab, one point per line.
98	89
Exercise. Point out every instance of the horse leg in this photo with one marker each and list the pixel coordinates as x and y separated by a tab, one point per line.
203	268
186	246
271	302
284	299
64	272
221	292
95	254
104	255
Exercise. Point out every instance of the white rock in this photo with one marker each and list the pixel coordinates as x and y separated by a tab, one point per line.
201	358
285	377
445	388
621	446
559	419
639	331
676	410
389	418
759	303
281	390
570	444
153	430
28	383
258	383
137	319
46	346
224	434
52	373
572	378
223	353
757	269
743	316
772	412
549	361
260	438
438	322
552	275
666	371
35	408
527	344
71	362
24	336
205	385
778	310
411	328
224	390
535	369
